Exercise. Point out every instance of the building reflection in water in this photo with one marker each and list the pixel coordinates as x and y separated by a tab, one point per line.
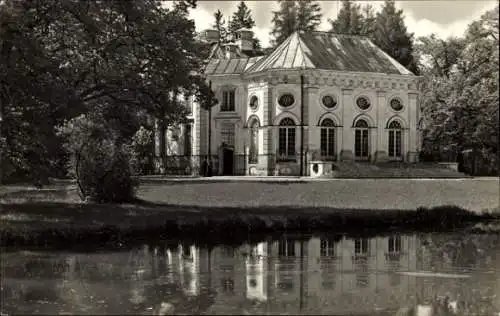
337	275
189	269
256	272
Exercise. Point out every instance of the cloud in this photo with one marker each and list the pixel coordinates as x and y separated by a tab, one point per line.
262	14
457	28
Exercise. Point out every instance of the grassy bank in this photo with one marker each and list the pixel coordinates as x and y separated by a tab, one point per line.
68	225
236	211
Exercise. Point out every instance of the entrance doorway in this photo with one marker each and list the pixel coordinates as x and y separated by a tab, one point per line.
227	161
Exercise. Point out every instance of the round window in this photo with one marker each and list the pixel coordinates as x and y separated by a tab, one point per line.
329	101
254	102
363	103
286	100
396	105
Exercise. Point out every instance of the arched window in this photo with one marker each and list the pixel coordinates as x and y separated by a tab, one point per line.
253	156
327	143
228	100
286	139
395	140
361	141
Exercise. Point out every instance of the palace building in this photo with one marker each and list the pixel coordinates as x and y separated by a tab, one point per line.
317	99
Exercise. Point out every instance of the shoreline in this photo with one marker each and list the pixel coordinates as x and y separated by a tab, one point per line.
66	225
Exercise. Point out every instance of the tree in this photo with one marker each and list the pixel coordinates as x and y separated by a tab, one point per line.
308	15
390	34
294	16
368	21
63	59
219	25
460	100
242	18
438	57
349	19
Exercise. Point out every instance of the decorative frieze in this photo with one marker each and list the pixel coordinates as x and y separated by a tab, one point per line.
339	79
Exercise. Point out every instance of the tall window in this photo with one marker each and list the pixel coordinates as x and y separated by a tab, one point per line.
188	140
327	248
361	139
395	132
228	100
286	141
327	139
361	246
394	244
254	142
286	248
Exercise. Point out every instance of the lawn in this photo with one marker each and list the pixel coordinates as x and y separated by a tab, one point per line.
471	194
234	210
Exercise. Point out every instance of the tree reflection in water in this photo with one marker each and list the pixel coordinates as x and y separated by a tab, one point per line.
318	275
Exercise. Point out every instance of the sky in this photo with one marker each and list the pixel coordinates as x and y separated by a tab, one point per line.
444	18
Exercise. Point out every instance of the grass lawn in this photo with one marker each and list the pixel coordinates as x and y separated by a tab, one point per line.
234	210
471	194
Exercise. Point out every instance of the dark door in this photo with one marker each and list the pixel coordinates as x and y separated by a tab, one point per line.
227	160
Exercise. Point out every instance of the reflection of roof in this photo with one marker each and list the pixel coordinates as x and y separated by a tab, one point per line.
316	50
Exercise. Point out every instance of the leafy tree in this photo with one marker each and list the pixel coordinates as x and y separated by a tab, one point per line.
460	101
439	56
62	59
391	35
294	16
219	25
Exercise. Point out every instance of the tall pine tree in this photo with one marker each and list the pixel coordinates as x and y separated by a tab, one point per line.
349	19
219	25
308	15
294	16
391	35
242	18
369	18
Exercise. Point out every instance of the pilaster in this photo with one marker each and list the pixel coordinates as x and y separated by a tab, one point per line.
381	143
346	152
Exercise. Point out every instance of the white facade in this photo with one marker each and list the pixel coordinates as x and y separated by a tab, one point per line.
247	137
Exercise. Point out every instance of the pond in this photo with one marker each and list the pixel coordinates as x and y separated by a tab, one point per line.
417	274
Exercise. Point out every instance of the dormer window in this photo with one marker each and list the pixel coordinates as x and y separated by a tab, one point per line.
228	100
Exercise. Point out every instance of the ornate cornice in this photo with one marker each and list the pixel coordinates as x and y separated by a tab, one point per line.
343	80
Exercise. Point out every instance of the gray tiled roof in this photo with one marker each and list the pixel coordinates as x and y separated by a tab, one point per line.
316	50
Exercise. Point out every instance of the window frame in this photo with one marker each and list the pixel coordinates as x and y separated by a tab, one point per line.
287	140
228	100
367	100
363	133
395	141
328	141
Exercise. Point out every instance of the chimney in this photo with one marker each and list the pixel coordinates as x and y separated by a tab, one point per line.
211	36
244	39
230	50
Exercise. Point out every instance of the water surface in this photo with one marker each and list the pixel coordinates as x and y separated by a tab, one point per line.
427	274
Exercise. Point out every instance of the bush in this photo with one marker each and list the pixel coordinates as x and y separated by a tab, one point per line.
100	160
142	149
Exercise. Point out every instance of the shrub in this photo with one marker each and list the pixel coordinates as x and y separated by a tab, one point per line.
142	148
100	160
